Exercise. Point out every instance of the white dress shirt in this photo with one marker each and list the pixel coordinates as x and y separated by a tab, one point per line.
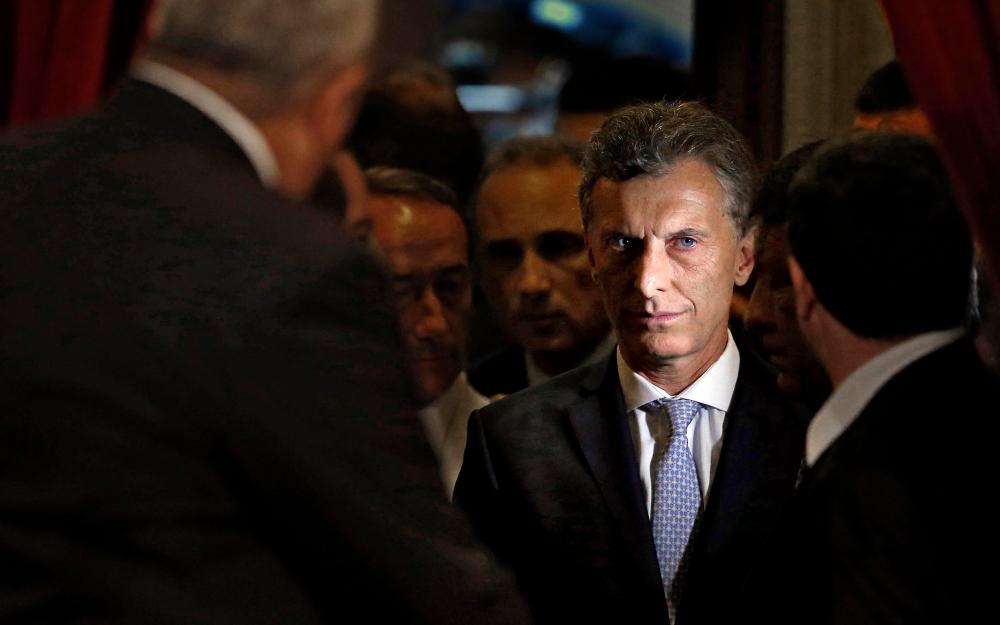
850	398
216	108
446	423
536	376
713	390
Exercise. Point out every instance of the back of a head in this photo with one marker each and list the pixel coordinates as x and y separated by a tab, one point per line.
885	90
770	204
288	47
647	139
879	235
410	119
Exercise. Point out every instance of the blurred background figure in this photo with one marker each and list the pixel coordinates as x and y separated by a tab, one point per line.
206	414
885	102
532	261
411	118
419	229
597	86
770	313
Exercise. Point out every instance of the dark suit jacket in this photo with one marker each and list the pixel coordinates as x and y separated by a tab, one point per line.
891	523
204	413
551	482
502	372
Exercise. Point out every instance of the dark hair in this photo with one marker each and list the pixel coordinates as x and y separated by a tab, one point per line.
770	204
409	183
606	83
885	90
436	138
646	139
879	235
538	150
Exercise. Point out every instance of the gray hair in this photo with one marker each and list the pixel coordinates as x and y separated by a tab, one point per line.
647	139
409	183
287	46
538	150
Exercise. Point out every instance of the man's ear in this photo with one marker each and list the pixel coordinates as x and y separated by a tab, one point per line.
333	109
745	257
805	297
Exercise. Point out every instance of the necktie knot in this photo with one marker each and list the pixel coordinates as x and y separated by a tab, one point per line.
680	411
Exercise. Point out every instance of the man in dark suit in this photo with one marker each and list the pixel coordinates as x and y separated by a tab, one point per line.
641	488
884	528
204	408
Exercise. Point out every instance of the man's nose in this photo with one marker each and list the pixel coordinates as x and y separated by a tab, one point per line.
653	271
430	320
533	279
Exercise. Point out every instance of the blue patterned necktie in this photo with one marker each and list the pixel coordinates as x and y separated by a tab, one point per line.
676	497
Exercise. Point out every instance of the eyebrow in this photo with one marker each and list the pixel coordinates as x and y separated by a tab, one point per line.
689	232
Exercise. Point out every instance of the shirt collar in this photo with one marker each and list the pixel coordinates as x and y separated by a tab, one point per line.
849	399
234	123
713	388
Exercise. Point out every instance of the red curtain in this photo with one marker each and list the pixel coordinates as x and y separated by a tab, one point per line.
950	51
62	55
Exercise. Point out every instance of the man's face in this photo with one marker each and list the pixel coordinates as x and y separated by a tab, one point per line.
425	245
534	261
666	256
771	321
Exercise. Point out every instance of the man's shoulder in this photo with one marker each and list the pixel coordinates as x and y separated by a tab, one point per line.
553	397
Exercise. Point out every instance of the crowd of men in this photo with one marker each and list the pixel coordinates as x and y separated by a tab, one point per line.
236	378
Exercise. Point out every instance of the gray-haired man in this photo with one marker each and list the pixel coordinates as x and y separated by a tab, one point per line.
205	414
643	486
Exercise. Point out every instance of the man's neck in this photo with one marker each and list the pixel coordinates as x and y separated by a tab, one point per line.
676	374
840	351
298	157
851	353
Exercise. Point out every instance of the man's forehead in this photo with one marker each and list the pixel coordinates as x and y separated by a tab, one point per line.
688	191
530	198
415	226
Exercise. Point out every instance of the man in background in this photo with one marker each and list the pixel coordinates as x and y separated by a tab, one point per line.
533	267
770	312
885	102
418	227
884	527
411	118
206	416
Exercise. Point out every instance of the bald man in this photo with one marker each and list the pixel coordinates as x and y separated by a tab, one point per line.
419	230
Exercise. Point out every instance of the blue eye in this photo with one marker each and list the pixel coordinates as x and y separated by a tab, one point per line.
686	243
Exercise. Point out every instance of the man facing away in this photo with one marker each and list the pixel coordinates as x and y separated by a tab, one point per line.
641	488
205	414
885	526
418	227
532	259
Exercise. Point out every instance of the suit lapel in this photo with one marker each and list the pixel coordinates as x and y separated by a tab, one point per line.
761	452
600	424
